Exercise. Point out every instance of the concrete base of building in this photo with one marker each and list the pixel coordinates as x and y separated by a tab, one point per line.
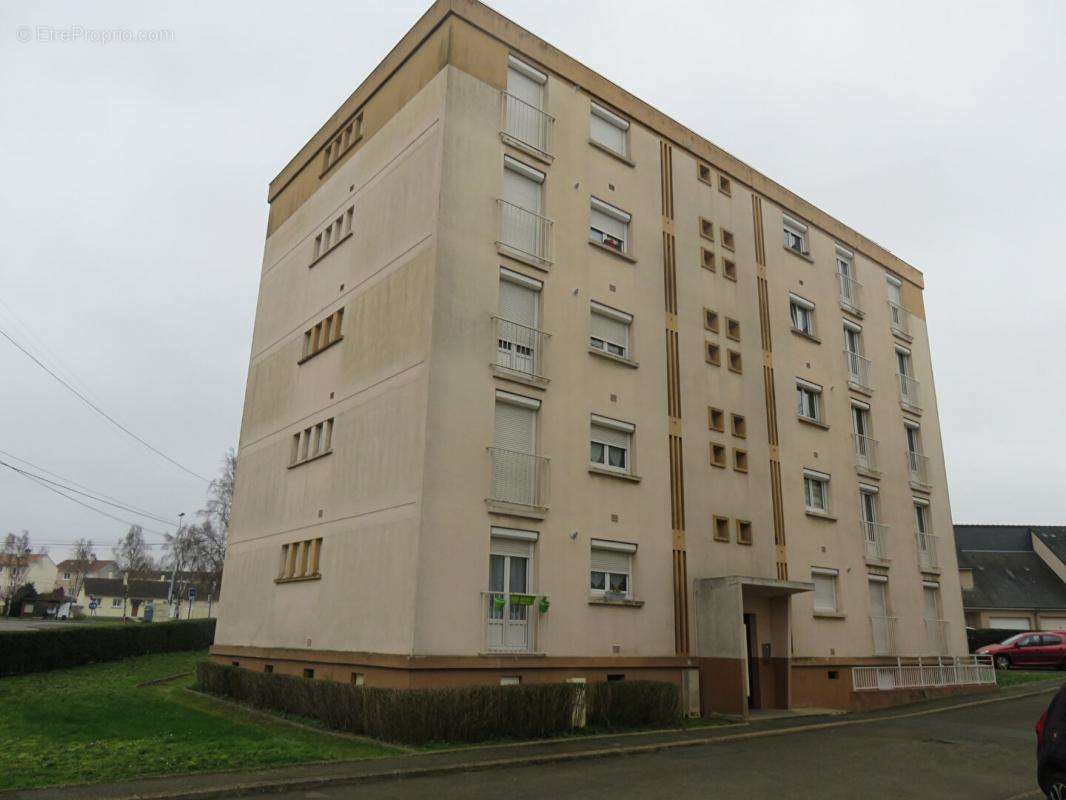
829	685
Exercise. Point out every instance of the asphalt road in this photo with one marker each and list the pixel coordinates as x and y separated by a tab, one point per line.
975	753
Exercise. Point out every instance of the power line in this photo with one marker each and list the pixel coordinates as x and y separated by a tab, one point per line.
99	410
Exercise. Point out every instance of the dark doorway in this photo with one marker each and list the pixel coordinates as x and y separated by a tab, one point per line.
752	643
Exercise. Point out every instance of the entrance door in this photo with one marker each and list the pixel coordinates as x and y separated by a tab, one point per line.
752	639
508	622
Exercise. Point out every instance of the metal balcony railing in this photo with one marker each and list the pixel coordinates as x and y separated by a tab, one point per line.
526	123
928	554
876	537
510	621
919	673
520	348
919	467
936	632
525	234
865	452
899	318
884	635
858	370
519	478
909	390
850	292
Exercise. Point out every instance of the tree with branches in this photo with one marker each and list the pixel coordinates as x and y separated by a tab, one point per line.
15	558
83	554
131	554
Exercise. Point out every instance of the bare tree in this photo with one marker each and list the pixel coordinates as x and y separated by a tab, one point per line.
84	554
220	494
132	554
15	557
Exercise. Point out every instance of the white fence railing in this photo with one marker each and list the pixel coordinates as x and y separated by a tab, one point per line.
519	347
919	467
899	318
876	537
519	478
865	452
909	390
928	558
525	234
850	292
510	621
527	124
858	369
921	673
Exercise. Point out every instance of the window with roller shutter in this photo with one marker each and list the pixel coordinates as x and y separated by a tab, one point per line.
609	226
516	336
611	568
609	130
611	444
609	330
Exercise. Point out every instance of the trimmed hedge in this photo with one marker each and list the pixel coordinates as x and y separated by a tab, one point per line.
465	714
23	652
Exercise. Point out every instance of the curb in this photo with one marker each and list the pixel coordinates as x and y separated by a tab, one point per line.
299	784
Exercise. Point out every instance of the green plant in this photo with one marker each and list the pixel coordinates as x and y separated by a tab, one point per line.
633	704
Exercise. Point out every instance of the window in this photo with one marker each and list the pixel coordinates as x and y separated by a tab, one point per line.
713	353
740	460
728	240
524	121
66	576
116	602
609	130
735	362
718	455
611	568
300	560
609	226
849	287
715	419
268	668
825	589
610	444
801	313
335	232
703	172
739	425
921	516
518	339
732	329
816	491
721	529
931	601
725	186
510	680
710	320
895	291
903	362
914	438
309	673
358	678
522	185
706	229
707	259
609	330
795	235
312	442
744	532
729	269
525	83
345	138
322	335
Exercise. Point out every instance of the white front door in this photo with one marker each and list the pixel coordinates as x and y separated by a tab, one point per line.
509	574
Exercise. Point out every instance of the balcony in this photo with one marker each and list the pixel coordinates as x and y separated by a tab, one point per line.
909	391
520	352
526	126
524	235
884	635
936	633
919	673
928	554
850	294
899	320
876	537
858	371
865	452
919	468
510	622
519	483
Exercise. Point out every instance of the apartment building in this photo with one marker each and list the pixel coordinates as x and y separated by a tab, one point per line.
545	386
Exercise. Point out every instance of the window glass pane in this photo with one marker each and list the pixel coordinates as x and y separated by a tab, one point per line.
496	573
619	583
599	580
518	574
597	456
616	457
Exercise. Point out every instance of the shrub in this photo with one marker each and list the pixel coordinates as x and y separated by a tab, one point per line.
464	714
23	652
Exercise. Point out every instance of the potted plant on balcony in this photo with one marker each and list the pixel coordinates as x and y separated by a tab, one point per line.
498	602
544	605
522	599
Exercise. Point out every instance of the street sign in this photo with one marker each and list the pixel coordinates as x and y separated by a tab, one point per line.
192	592
93	606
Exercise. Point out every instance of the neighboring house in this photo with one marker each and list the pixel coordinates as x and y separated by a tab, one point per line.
41	573
110	592
1013	576
545	386
67	572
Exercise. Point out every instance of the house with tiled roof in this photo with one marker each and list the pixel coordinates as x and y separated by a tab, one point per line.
1013	576
115	597
70	573
40	571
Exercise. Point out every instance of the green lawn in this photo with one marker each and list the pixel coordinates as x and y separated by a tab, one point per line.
1014	677
92	724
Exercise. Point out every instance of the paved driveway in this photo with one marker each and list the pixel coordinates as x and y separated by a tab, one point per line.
974	753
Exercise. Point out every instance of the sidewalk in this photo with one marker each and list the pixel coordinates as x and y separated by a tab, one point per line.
317	775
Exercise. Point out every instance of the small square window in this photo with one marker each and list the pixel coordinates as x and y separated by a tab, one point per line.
721	529
725	186
710	320
705	174
740	460
735	363
235	663
740	426
309	673
268	668
715	419
714	353
358	678
732	329
707	259
706	228
728	242
729	269
717	455
510	680
743	532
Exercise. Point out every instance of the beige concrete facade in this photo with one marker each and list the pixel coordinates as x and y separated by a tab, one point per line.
398	511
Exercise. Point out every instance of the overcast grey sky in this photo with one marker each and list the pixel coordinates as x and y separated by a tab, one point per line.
133	208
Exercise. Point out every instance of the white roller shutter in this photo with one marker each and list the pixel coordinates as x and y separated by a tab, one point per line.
525	83
607	435
609	329
510	547
514	427
608	129
610	225
1009	623
518	303
610	561
521	190
1053	623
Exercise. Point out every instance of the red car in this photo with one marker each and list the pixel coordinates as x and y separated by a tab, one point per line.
1043	649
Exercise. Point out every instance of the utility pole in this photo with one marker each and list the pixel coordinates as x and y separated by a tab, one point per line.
174	566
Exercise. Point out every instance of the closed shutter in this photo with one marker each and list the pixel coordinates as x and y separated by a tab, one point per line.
1053	623
525	88
611	330
825	592
521	191
931	598
610	561
1009	623
608	224
606	435
878	606
607	133
514	427
510	547
518	304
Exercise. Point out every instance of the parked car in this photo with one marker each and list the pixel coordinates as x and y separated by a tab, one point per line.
1051	748
1030	649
